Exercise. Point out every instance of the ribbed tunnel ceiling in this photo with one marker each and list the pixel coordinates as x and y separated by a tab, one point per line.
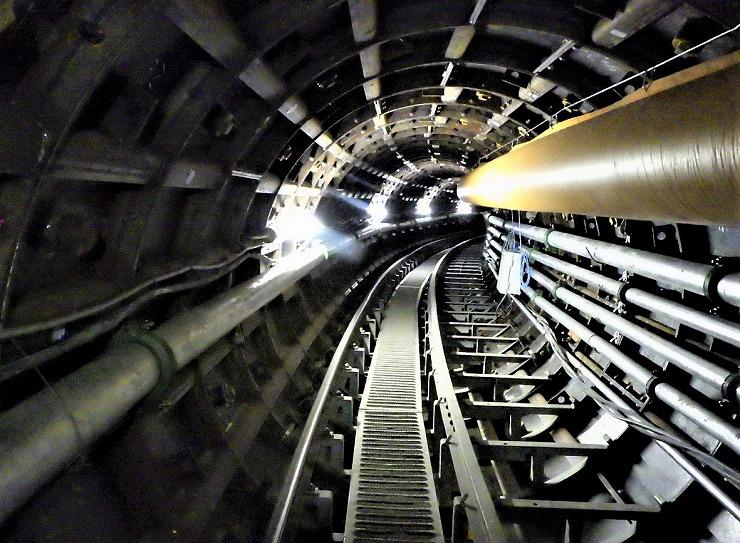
144	136
414	94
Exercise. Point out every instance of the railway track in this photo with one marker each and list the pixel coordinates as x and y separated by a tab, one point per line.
463	424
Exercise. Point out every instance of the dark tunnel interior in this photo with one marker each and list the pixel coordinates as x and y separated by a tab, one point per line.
449	271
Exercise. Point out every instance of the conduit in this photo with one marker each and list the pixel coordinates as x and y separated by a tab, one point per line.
677	273
711	423
711	325
666	153
719	378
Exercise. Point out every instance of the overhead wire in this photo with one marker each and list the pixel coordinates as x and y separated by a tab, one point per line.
100	327
58	322
639	75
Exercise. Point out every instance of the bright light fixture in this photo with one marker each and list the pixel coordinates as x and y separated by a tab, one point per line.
464	208
424	207
377	212
296	224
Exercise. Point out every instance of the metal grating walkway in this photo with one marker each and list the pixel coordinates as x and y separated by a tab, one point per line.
392	495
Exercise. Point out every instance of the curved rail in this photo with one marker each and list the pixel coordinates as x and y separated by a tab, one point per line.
481	512
287	495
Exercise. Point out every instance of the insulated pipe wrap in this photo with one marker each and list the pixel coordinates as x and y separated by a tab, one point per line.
668	154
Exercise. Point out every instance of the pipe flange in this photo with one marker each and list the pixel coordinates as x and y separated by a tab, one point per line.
653	382
622	292
710	284
163	355
729	388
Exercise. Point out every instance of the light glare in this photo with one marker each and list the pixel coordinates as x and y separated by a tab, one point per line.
297	225
424	207
464	208
377	212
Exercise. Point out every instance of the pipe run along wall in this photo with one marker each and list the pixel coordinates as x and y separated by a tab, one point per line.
669	152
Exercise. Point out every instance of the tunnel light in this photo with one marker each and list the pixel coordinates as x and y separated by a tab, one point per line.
377	212
296	224
424	207
464	208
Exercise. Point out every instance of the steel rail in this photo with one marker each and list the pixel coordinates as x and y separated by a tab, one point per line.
317	415
480	509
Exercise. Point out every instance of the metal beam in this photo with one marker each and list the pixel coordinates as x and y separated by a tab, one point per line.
364	15
500	410
575	509
523	450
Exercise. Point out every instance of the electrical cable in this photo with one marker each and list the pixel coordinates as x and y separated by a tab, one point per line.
631	417
100	327
28	329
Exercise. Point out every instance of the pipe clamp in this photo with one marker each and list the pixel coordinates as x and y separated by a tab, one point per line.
729	387
711	281
163	355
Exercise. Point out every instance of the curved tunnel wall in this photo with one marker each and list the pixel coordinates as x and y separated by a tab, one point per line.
125	120
145	146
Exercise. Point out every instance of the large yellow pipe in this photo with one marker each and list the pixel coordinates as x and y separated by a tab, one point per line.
666	153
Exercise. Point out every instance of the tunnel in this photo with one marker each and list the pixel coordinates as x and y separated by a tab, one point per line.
363	271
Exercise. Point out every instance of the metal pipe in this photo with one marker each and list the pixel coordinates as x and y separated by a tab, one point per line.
699	476
611	286
669	152
713	326
190	334
640	376
679	274
43	434
705	419
728	288
689	362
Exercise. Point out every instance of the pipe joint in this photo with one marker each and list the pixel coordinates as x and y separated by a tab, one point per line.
650	385
711	282
164	356
546	241
622	292
731	388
